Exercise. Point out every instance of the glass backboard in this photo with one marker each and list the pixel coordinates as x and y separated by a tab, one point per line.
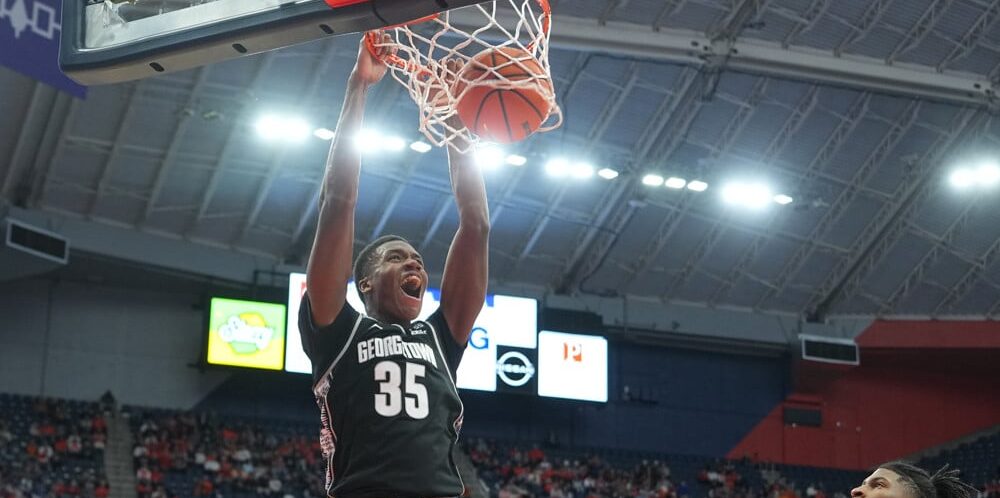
110	41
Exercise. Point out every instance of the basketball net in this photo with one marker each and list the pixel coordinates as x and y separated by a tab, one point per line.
422	48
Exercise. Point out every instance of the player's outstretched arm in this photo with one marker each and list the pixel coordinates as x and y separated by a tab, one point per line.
329	267
463	285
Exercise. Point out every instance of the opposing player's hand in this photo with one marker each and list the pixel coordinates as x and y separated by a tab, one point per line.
370	69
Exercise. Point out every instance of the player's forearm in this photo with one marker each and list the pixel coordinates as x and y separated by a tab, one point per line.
343	165
470	191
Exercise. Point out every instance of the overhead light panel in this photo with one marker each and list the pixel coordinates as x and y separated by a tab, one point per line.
652	180
557	167
489	156
421	147
288	129
393	143
783	199
988	174
368	140
607	173
516	160
697	186
324	133
751	195
675	182
582	171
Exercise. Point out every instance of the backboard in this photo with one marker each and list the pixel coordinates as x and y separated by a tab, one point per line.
111	41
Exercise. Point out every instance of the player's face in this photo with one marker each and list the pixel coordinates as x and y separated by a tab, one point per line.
398	282
882	484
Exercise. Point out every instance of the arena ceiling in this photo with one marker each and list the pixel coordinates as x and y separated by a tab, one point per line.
875	228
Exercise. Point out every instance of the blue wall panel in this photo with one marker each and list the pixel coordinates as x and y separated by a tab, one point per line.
696	403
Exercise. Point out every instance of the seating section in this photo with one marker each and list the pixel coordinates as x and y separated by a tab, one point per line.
516	470
978	460
55	448
201	454
51	447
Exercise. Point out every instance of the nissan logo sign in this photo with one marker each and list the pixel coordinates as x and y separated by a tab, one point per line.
515	369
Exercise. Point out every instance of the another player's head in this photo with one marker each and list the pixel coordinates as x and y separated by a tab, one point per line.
391	279
903	480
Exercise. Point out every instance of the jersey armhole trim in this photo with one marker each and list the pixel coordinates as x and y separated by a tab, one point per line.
350	339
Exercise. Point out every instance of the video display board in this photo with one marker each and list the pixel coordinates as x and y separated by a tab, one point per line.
246	334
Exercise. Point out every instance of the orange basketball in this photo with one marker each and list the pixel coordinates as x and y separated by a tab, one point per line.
503	115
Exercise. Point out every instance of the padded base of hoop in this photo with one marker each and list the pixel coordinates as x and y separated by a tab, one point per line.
157	47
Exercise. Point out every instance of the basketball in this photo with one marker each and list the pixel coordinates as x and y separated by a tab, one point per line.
503	115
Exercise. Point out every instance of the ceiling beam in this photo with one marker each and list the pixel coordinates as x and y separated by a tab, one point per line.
889	224
839	138
38	118
123	126
919	31
985	24
839	206
227	148
173	148
806	22
774	149
860	29
729	136
769	58
599	126
972	276
915	277
675	114
307	97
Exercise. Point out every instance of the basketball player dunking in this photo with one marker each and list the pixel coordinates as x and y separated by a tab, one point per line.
385	384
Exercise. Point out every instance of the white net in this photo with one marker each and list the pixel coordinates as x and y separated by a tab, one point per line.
518	28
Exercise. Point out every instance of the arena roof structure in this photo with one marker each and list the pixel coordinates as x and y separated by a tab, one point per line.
859	111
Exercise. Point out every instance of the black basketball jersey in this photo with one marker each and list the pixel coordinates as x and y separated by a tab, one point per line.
388	403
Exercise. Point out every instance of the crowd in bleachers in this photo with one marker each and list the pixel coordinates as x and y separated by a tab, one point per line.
55	449
513	471
203	455
979	461
51	448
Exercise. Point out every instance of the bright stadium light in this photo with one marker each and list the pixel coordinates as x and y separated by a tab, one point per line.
675	182
752	195
489	156
783	199
557	168
516	160
421	147
394	144
268	127
988	174
652	180
607	173
582	171
368	140
962	178
697	186
272	127
324	133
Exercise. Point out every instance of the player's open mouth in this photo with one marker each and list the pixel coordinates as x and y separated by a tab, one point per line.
411	286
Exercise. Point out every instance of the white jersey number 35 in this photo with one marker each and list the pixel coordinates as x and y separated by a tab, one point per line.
391	400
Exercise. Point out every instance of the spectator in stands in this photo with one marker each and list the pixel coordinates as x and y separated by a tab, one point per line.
903	480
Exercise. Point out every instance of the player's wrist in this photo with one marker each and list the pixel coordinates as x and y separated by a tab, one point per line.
357	82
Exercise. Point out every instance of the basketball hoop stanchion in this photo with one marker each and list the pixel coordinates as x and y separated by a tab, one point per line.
419	57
